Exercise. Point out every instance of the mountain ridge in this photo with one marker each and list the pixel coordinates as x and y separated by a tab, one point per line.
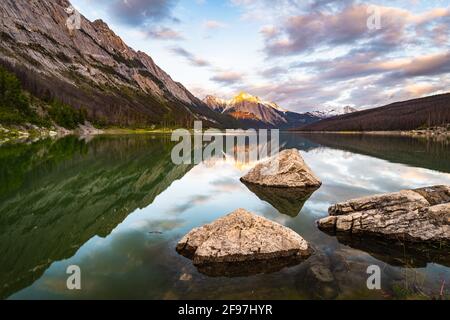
402	115
333	112
247	107
93	68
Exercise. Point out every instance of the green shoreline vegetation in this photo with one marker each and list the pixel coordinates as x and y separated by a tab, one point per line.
19	108
24	116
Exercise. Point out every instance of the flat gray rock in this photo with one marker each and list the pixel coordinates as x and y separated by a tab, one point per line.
242	237
285	170
421	215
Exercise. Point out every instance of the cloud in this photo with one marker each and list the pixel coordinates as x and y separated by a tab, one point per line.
326	55
164	33
360	79
263	10
228	77
303	33
328	4
225	184
196	61
359	64
213	24
379	91
269	31
195	200
296	94
310	54
440	34
273	72
306	33
428	65
417	90
141	12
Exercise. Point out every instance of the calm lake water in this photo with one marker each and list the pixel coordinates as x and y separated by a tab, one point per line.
116	207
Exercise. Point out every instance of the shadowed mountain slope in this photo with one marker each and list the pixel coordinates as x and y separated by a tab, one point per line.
92	69
405	115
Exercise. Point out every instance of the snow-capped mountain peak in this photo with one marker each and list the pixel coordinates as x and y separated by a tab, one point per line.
333	112
219	104
246	97
216	104
243	96
247	107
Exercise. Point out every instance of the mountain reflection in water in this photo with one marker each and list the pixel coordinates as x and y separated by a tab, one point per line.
56	195
117	206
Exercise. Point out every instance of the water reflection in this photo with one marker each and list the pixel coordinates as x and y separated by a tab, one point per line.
289	201
399	253
417	152
248	268
56	195
117	207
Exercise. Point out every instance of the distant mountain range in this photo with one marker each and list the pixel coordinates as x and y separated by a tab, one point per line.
333	112
93	69
405	115
257	112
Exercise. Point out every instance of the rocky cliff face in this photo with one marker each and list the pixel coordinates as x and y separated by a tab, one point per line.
90	67
216	104
263	113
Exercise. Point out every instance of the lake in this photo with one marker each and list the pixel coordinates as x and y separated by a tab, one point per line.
116	206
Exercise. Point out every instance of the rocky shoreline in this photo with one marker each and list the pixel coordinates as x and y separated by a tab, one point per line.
243	243
30	132
419	215
439	133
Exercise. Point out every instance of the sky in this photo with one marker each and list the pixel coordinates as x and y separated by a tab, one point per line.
302	54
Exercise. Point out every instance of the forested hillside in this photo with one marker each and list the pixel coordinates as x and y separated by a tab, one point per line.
406	115
18	106
92	70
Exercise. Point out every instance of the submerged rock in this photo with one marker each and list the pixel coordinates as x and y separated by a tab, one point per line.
248	268
289	201
315	278
243	243
285	170
421	215
334	274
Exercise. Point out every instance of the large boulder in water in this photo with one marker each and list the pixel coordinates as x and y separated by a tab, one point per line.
420	215
285	170
243	243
